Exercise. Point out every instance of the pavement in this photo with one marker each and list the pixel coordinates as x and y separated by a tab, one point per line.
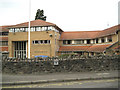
56	77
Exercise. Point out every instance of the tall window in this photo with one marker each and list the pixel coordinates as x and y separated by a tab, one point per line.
103	40
45	41
93	41
88	41
109	38
69	41
97	40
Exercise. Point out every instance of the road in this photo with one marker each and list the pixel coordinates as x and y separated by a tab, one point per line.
108	83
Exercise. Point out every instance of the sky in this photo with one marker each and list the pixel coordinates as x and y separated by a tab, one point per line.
69	15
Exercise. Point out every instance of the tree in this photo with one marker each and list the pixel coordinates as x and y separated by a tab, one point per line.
40	15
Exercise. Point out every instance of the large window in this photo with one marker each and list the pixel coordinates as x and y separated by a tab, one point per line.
77	41
40	28
102	40
41	42
3	33
20	49
3	43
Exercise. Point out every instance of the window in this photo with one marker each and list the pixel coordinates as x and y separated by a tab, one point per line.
82	41
69	41
50	28
46	28
41	42
0	43
93	41
45	41
48	41
3	33
103	40
11	30
77	41
64	42
33	42
21	30
26	29
109	38
53	28
32	29
3	43
16	29
36	42
97	40
88	41
92	53
43	28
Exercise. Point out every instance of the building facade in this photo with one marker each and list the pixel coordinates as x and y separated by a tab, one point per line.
44	39
90	42
48	39
4	41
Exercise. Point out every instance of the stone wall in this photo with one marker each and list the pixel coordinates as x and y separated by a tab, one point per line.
64	65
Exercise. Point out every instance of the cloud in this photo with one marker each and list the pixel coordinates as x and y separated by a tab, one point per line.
5	4
67	14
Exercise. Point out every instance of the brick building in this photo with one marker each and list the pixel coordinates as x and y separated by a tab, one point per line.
90	42
48	39
4	40
44	39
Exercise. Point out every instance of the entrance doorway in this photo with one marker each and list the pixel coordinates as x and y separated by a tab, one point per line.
20	49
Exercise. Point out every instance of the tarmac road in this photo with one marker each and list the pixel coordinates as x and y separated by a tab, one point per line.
108	83
6	78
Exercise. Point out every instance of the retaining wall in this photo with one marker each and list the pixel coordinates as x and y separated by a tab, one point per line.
64	65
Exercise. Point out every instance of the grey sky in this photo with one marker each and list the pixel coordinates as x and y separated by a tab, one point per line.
69	15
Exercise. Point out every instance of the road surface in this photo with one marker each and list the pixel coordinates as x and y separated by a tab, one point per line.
108	83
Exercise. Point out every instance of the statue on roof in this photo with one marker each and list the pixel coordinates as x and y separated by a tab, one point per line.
40	15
